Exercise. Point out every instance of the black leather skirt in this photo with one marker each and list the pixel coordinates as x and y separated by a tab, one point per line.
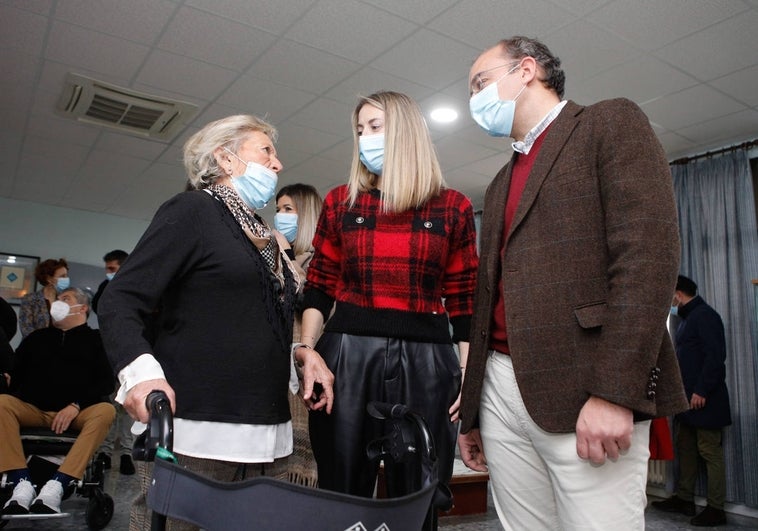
424	376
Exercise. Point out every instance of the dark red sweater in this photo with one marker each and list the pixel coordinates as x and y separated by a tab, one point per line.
522	167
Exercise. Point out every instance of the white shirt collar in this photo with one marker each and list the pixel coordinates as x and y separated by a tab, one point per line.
523	146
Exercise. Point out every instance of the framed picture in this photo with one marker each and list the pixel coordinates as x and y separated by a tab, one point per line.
17	276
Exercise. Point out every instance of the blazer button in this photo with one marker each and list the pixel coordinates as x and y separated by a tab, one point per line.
483	333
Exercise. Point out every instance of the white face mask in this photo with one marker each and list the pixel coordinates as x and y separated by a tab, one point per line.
59	310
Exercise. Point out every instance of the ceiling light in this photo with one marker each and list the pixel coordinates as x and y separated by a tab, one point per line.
444	115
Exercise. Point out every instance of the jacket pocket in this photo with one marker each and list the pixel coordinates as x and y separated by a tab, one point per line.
591	315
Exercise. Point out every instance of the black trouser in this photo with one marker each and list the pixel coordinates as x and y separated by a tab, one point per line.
425	377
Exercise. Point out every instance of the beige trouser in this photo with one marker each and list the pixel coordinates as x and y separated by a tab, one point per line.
538	481
92	423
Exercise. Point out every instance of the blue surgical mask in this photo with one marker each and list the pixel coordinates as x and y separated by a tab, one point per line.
674	310
372	152
286	223
256	187
110	276
491	113
62	283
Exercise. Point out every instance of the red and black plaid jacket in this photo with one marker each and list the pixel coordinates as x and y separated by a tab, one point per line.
395	275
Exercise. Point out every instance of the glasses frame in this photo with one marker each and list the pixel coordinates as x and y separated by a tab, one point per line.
477	83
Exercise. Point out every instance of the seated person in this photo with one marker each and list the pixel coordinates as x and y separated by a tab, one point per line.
7	331
60	379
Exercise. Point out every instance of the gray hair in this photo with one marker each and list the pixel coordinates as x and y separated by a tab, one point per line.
199	159
81	296
518	47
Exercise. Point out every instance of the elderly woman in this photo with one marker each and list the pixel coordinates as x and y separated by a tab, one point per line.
225	292
35	307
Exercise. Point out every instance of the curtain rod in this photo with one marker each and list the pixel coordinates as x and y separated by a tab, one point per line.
745	145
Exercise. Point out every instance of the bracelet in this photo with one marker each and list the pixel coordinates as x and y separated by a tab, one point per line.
298	345
76	405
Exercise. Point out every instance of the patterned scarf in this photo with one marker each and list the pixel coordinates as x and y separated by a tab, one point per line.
279	279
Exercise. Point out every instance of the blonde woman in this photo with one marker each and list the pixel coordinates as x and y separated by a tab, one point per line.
395	258
297	210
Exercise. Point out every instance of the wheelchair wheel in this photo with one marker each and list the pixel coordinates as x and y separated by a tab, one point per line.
99	511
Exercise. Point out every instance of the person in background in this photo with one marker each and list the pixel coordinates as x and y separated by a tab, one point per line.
121	430
34	312
113	261
698	432
395	249
297	210
569	355
8	326
221	349
60	380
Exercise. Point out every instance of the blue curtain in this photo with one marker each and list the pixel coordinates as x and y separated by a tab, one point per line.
717	223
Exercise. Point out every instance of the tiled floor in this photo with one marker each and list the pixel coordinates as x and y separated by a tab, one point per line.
124	488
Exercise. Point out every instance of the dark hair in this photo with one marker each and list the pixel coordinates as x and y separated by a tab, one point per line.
8	320
47	268
519	47
686	286
118	255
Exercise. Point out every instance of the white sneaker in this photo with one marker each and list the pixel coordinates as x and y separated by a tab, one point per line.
22	497
49	499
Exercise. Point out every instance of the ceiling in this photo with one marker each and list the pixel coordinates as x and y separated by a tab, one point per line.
691	65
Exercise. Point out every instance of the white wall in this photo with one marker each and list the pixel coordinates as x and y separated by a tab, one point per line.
53	232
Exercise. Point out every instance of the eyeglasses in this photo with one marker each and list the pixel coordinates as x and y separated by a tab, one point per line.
478	82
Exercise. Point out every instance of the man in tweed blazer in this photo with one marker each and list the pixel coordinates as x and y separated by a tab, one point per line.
569	352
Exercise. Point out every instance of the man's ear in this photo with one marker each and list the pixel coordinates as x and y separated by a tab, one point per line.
529	69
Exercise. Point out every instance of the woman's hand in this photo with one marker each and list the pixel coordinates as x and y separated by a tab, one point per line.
318	380
135	398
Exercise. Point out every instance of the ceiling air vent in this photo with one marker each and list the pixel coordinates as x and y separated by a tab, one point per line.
92	101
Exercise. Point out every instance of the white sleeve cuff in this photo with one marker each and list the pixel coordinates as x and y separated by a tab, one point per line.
144	368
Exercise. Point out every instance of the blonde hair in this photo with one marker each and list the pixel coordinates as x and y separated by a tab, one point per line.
199	158
411	173
308	203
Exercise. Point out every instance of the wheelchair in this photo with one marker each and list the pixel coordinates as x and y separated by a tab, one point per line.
40	442
268	504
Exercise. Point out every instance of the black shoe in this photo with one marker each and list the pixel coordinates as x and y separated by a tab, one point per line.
675	504
127	467
105	459
709	517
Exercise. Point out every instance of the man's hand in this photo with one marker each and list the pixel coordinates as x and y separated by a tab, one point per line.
63	418
697	401
318	380
135	398
472	454
603	429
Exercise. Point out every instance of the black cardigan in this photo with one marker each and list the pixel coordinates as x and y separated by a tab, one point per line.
213	339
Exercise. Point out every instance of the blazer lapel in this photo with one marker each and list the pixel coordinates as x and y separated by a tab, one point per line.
493	219
557	136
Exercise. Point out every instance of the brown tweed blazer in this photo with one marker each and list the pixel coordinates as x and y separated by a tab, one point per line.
589	271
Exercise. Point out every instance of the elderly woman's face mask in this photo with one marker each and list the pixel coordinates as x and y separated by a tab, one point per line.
257	186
